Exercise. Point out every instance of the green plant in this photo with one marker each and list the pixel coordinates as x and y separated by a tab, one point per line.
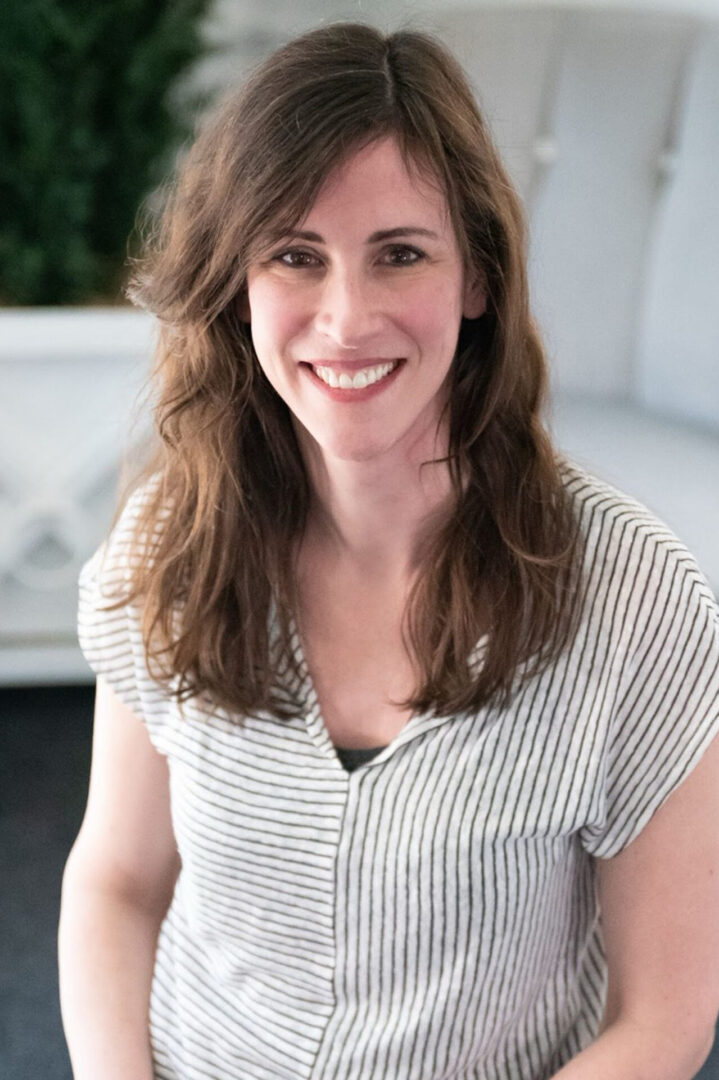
87	129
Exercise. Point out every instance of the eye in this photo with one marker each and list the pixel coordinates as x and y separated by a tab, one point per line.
402	255
296	258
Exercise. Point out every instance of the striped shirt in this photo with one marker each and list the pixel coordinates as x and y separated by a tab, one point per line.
432	913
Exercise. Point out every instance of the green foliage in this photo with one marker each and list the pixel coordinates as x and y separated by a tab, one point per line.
87	129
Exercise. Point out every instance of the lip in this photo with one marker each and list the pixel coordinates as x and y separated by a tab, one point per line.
350	396
352	365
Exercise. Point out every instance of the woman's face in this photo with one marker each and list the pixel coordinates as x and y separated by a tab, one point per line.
355	315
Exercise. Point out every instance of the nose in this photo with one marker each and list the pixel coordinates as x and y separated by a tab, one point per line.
349	311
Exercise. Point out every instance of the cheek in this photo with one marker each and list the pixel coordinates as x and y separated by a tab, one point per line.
274	318
432	315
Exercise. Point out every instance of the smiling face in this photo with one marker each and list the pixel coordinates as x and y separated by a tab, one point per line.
355	315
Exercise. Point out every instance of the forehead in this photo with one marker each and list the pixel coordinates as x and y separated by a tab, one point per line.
376	182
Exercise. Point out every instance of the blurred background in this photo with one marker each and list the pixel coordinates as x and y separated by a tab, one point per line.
607	117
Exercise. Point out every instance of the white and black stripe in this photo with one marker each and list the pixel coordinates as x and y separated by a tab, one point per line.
432	913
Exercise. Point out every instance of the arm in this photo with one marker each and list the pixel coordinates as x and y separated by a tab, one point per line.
116	888
660	916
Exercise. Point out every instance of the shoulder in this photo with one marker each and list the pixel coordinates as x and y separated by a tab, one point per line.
597	501
109	616
641	584
621	533
146	495
128	542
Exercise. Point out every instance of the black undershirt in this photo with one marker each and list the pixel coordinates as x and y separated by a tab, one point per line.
352	757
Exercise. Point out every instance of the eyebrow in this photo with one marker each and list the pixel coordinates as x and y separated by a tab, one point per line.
375	238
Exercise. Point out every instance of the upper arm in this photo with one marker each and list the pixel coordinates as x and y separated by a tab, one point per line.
660	912
126	842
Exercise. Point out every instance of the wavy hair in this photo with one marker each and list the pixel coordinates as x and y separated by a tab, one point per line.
506	561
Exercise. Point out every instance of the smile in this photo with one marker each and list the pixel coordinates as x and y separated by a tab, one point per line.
358	380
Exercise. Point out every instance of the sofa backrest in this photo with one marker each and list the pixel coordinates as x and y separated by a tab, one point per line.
609	122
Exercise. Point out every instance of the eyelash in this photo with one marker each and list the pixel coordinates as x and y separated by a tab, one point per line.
404	249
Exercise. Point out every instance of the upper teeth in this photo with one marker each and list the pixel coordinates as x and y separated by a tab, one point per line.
357	381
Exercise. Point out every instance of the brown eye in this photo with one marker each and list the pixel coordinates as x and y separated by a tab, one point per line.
296	258
402	255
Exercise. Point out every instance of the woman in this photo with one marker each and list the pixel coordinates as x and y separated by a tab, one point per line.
391	699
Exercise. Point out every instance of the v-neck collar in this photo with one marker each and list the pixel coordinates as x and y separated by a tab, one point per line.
302	687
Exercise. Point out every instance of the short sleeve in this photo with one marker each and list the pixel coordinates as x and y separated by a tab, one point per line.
111	641
667	706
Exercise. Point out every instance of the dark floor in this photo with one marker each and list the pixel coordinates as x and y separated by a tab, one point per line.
44	761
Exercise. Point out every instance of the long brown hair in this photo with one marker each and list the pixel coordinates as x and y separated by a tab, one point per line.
506	562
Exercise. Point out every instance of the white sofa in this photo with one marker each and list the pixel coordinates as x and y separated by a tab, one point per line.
609	122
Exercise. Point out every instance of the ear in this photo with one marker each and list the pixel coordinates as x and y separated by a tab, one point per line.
475	298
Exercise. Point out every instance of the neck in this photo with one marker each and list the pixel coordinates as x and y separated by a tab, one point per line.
377	515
